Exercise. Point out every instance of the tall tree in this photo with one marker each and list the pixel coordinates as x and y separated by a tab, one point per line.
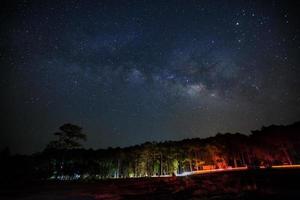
69	137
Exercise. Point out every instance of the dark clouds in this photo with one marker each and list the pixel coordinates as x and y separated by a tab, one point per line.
132	71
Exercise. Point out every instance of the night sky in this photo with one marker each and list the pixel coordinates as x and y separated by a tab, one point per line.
135	71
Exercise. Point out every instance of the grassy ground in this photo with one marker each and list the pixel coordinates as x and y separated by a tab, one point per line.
253	184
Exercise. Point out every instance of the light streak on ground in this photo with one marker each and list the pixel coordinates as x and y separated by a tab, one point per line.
286	166
236	169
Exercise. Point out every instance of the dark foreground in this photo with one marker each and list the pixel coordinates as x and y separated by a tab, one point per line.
251	184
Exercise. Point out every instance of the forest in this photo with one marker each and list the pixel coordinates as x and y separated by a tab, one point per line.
65	159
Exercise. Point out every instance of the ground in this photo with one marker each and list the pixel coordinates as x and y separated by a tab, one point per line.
249	184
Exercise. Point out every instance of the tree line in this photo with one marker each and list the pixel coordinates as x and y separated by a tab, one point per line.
65	159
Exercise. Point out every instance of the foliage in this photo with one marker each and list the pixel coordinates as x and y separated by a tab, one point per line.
272	145
68	137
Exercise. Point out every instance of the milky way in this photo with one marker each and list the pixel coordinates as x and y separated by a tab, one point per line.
136	71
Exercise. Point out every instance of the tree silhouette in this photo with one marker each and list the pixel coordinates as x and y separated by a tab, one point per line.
69	137
64	159
61	150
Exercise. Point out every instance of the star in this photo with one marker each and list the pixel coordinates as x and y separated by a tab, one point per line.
155	68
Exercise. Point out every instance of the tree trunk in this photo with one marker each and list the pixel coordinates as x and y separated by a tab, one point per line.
160	164
242	158
248	156
234	161
287	156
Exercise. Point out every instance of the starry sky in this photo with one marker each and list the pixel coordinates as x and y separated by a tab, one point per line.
136	71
